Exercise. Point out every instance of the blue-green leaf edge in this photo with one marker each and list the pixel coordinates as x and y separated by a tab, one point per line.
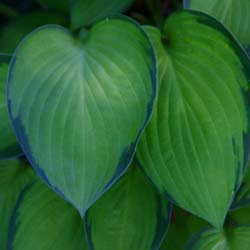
126	158
13	225
195	237
210	21
244	57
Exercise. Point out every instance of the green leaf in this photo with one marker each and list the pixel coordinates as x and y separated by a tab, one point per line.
240	216
61	5
9	146
87	12
79	107
14	175
183	226
242	196
193	148
237	238
234	14
14	31
44	220
131	215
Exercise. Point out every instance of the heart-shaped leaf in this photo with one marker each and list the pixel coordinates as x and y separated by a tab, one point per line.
9	146
14	175
79	107
242	196
131	215
234	14
13	32
183	226
43	220
237	238
193	148
87	12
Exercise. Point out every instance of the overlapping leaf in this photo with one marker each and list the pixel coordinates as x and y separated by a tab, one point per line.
84	13
183	226
194	146
131	215
79	107
237	238
14	175
8	143
242	196
234	14
240	216
42	220
13	32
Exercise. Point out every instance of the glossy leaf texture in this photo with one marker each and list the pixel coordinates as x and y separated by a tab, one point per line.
79	106
231	238
242	196
234	14
85	13
194	146
9	145
14	31
43	220
14	175
131	215
182	227
60	5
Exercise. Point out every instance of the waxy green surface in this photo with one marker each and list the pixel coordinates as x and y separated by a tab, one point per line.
194	146
79	106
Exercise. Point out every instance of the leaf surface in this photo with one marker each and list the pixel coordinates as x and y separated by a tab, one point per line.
242	196
14	31
131	215
234	14
237	238
87	12
14	175
182	227
44	220
195	146
79	106
9	146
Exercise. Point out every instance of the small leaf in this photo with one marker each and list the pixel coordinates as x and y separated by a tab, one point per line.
13	32
9	146
237	238
234	14
44	220
194	146
183	226
79	107
131	215
14	175
87	12
242	196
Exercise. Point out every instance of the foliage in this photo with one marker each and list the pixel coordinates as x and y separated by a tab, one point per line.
124	131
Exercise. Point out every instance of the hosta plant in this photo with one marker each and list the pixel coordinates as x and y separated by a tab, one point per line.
124	125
